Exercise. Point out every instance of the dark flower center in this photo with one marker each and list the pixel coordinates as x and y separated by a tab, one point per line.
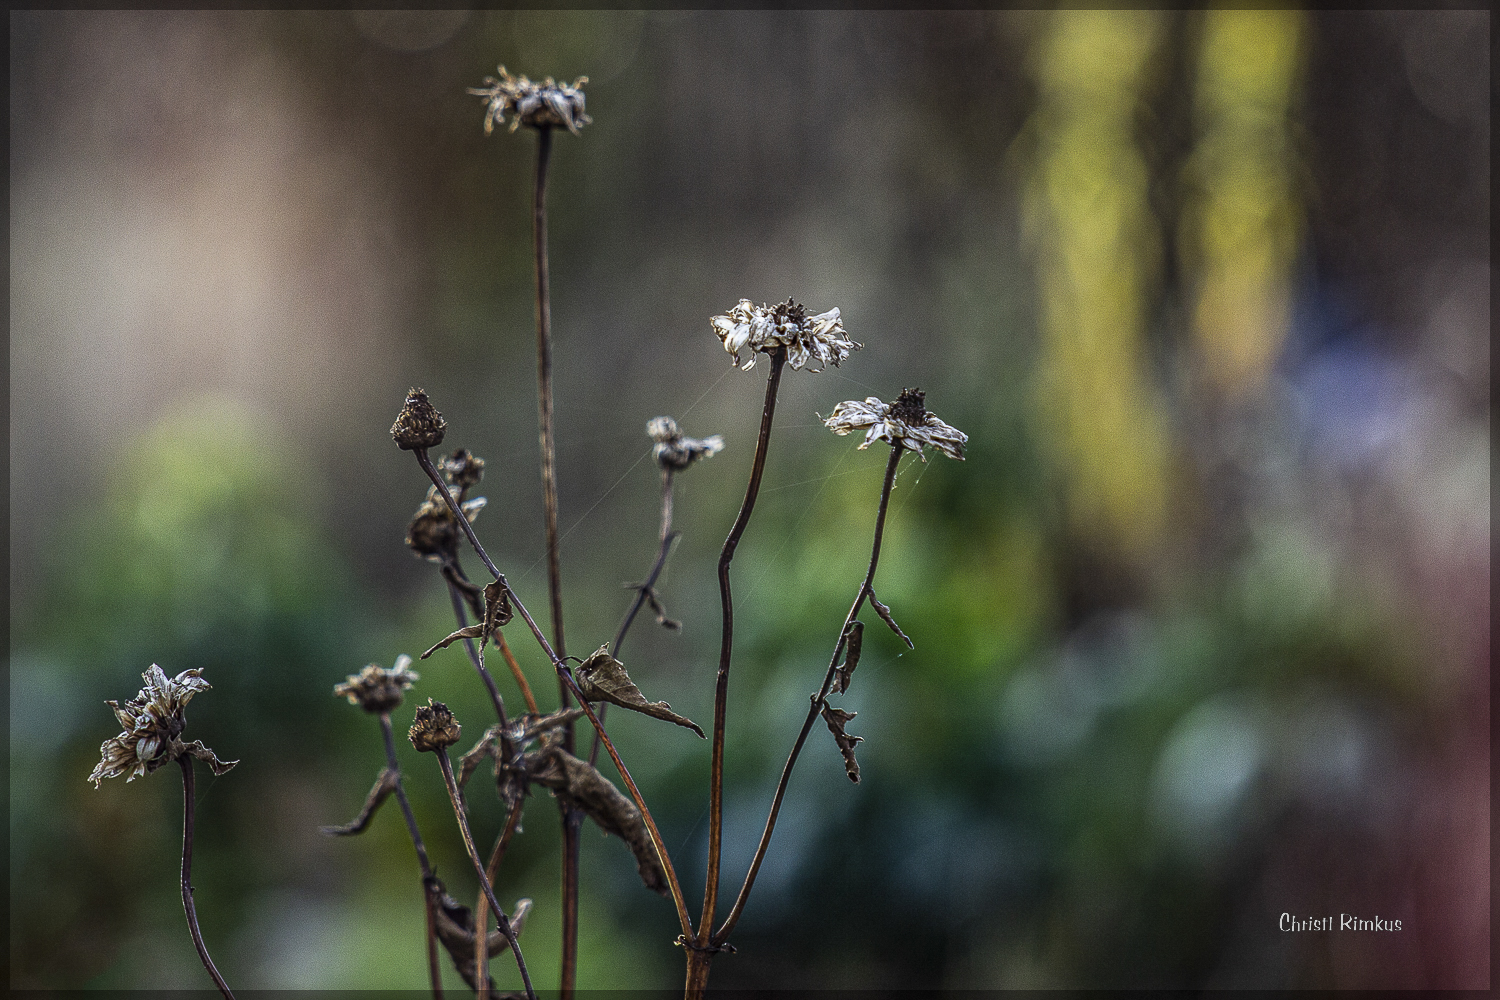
908	407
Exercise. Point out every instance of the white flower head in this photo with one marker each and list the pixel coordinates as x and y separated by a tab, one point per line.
540	105
153	721
675	451
762	329
905	423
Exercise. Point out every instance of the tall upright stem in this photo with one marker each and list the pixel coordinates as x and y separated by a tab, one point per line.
572	819
187	876
726	648
818	701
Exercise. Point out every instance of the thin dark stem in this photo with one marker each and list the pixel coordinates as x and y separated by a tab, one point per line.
484	882
726	648
482	910
667	537
187	876
425	461
818	701
567	678
434	969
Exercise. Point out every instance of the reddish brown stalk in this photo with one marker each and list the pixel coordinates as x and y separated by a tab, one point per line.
700	953
818	701
187	876
482	909
515	670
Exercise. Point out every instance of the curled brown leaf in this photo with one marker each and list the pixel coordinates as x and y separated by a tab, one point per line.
885	616
601	677
385	784
845	671
837	719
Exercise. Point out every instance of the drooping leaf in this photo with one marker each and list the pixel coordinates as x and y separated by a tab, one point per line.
837	719
454	924
385	784
610	808
844	671
601	677
497	613
468	632
885	616
488	746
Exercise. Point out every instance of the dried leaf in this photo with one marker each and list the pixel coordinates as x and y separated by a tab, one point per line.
885	616
469	632
454	924
203	753
603	678
660	610
488	746
844	671
497	612
605	804
384	786
837	719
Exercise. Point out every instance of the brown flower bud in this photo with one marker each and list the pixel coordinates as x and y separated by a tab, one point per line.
419	424
376	689
434	728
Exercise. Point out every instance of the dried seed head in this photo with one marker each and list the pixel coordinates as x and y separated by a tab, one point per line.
905	423
376	689
463	468
153	720
419	424
540	105
763	328
676	452
434	728
433	532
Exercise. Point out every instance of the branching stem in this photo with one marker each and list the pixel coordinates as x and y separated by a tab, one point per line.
434	970
818	701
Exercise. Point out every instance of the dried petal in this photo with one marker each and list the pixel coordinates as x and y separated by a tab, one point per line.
904	423
764	329
837	719
601	677
542	105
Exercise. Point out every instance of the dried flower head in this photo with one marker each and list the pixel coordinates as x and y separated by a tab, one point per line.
376	689
419	424
463	469
763	328
434	728
433	532
153	721
673	450
905	422
540	105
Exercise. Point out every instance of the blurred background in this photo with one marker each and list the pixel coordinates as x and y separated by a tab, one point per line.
1201	624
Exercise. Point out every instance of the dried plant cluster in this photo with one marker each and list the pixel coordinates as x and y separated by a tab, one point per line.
539	749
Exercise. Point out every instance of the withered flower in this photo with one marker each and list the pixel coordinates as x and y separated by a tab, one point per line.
905	422
463	468
540	105
675	451
433	532
376	689
434	728
419	424
763	328
153	721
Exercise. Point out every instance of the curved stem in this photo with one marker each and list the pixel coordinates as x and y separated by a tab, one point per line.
818	701
187	876
484	882
726	649
667	537
434	969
